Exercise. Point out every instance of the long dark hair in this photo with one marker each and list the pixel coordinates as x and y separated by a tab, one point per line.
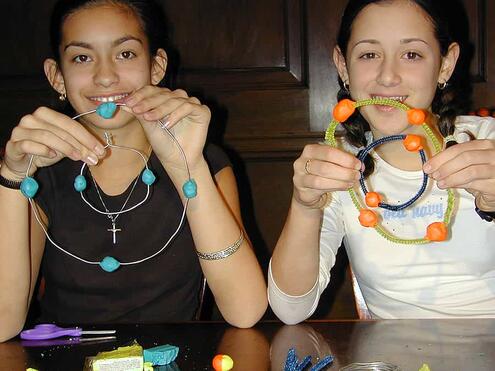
148	12
449	22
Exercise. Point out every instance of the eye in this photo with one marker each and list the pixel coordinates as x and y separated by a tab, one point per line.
81	58
368	55
412	55
127	54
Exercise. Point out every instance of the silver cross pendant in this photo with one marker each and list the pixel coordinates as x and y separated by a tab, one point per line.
114	230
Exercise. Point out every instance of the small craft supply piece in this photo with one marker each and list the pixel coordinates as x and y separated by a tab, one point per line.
109	264
292	363
46	331
413	143
161	355
128	358
29	187
106	110
343	110
190	189
425	367
222	362
367	218
148	177
80	183
31	369
373	199
148	366
416	116
437	231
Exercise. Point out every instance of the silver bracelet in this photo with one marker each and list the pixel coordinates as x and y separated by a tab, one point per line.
223	253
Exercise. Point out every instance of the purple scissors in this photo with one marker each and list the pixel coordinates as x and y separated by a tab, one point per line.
49	331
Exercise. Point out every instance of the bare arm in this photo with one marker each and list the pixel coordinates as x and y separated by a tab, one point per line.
49	136
295	263
237	281
21	248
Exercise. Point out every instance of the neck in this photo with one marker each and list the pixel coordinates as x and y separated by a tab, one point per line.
120	167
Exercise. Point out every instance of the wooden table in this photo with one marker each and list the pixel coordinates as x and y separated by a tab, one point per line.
446	345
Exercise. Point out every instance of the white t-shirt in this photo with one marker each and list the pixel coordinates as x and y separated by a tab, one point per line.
454	278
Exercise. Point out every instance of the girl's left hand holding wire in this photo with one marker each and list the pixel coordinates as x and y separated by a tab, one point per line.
469	165
184	116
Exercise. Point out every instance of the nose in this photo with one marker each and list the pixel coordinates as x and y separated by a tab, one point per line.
106	74
388	74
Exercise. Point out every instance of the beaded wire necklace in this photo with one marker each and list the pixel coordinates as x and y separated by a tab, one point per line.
112	218
29	188
436	231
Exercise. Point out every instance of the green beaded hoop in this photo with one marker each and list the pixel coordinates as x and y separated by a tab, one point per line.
343	110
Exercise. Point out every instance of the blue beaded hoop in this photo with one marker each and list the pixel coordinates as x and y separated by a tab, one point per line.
364	153
29	187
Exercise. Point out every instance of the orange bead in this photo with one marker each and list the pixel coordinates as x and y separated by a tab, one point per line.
416	116
222	362
483	112
367	218
372	199
436	231
343	110
413	142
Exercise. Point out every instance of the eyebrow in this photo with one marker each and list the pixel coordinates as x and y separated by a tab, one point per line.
402	41
115	43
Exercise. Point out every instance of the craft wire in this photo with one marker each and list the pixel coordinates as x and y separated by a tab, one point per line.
130	208
330	140
179	227
365	152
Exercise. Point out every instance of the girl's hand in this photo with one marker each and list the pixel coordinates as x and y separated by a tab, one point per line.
49	136
184	116
322	169
469	165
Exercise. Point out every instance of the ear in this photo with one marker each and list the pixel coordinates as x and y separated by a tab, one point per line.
158	66
54	75
448	63
339	61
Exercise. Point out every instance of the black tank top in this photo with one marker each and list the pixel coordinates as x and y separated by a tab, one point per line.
161	289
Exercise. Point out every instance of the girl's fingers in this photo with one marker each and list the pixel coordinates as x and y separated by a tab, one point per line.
190	109
36	149
69	130
327	153
324	184
331	170
464	152
25	137
462	161
474	177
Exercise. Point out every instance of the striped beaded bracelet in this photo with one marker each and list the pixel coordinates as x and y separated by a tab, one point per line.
436	231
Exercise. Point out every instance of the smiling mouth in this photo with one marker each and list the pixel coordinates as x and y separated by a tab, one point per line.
110	98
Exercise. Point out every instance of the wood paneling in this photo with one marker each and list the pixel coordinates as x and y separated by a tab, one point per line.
265	69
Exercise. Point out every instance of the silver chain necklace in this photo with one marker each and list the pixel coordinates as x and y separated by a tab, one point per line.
113	217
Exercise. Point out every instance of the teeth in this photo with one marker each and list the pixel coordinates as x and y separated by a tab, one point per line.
399	98
109	99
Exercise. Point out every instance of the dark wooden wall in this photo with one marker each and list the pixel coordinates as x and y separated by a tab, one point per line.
265	69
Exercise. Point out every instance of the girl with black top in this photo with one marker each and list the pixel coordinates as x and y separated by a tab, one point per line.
108	51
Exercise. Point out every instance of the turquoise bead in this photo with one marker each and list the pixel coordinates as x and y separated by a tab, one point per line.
148	177
29	187
109	264
190	188
80	183
106	110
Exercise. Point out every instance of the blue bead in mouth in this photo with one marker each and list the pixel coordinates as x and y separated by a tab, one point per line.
106	110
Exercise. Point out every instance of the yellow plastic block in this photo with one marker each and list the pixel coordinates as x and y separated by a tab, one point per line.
128	358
